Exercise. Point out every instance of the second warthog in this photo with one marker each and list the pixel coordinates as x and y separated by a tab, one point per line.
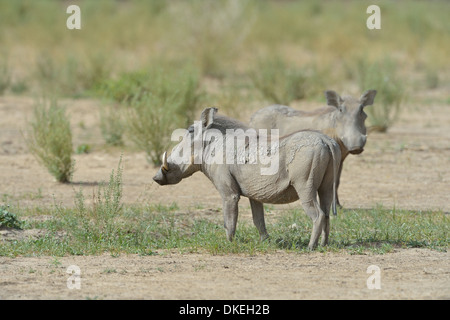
343	120
308	162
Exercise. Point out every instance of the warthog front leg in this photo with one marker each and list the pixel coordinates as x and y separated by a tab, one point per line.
258	218
230	215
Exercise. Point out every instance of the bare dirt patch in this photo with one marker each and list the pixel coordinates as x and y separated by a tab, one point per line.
405	274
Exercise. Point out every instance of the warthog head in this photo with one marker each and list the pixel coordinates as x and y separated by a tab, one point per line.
178	165
350	118
161	175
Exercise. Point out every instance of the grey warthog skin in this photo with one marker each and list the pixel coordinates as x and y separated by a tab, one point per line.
308	162
343	120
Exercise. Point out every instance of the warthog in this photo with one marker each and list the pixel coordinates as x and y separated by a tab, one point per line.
343	120
308	162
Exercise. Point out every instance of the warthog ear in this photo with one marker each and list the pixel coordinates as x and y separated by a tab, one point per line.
333	99
367	98
207	117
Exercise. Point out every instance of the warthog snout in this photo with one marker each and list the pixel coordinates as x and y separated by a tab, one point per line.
356	150
159	178
355	145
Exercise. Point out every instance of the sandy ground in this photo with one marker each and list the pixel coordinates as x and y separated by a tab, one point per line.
405	274
408	167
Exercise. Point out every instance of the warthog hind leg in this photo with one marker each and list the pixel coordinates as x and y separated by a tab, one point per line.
312	209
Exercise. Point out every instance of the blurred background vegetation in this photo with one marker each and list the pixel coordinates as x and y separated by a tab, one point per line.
162	61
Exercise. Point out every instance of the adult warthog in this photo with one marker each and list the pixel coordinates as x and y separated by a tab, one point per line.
343	120
307	164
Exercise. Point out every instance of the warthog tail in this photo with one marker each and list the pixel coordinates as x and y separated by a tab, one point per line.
335	172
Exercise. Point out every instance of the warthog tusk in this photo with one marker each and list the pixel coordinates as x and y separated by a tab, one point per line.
164	160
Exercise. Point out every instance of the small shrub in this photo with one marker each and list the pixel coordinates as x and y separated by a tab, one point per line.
180	82
83	148
19	86
50	140
107	204
5	76
98	223
71	76
126	87
97	68
167	102
112	125
279	83
150	123
381	76
8	219
46	73
431	78
229	100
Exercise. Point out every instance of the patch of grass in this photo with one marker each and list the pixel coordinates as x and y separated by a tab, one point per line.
111	227
384	228
50	139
